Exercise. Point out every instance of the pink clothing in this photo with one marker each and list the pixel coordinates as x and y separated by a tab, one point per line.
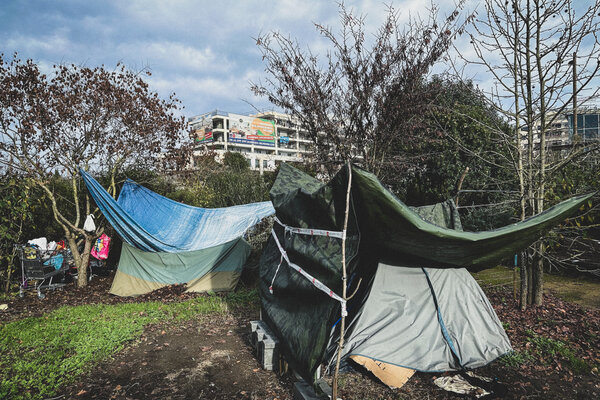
100	249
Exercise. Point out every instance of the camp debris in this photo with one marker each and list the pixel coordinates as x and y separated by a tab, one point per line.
415	305
166	242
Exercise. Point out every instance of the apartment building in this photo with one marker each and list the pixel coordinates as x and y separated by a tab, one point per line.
560	135
263	138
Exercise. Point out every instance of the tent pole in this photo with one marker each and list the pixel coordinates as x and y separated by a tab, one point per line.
344	279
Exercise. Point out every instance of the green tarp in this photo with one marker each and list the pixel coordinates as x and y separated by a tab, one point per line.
212	269
381	230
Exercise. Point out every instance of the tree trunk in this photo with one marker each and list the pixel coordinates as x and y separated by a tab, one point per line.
523	276
82	273
9	270
538	277
530	262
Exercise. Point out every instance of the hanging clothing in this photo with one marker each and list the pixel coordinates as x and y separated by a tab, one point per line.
101	247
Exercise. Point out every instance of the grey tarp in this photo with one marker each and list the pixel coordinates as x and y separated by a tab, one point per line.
382	230
400	324
434	320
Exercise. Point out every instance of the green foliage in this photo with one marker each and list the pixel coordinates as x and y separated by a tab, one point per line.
197	193
549	349
42	354
243	297
223	185
515	359
232	188
236	162
460	130
545	350
15	218
577	238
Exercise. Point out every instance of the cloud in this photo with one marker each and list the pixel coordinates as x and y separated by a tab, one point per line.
176	55
210	92
201	50
57	42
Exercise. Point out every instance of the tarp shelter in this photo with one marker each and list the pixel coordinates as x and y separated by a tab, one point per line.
166	242
415	306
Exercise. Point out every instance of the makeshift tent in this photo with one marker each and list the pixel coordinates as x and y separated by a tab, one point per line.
166	242
415	305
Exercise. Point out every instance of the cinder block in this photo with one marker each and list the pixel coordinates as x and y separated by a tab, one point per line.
305	391
258	329
323	388
258	336
253	325
265	344
268	353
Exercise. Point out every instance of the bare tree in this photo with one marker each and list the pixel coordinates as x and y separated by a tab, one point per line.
530	48
80	117
357	99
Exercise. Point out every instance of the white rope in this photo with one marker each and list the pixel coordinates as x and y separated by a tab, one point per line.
317	283
275	276
306	231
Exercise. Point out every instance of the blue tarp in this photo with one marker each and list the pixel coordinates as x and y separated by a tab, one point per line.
151	222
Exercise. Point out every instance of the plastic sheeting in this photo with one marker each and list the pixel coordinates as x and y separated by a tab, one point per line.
381	230
151	222
431	320
141	272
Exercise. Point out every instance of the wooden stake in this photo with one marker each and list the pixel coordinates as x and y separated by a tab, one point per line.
344	278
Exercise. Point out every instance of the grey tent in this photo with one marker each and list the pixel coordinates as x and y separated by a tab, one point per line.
414	306
427	319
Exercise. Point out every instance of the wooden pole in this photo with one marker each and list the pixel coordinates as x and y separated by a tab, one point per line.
344	279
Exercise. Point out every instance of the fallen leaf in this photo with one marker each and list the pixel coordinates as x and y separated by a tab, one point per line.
81	392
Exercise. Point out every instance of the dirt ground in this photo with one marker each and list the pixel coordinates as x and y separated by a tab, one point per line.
211	358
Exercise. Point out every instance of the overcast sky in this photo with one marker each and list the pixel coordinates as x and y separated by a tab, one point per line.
202	50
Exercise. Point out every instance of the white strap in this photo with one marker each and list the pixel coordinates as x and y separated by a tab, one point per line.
317	283
275	276
306	231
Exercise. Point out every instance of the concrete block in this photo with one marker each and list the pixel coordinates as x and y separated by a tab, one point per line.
324	388
258	330
265	344
268	353
253	325
305	391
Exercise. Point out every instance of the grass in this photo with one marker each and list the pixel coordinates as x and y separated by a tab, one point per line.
550	349
515	359
42	354
545	350
575	290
